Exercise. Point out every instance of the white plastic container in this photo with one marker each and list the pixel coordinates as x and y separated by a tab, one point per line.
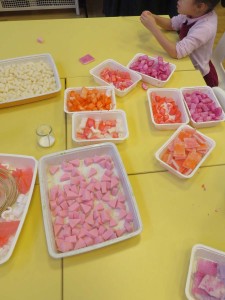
149	79
209	91
211	144
20	62
21	162
82	153
176	95
109	90
204	252
98	116
110	63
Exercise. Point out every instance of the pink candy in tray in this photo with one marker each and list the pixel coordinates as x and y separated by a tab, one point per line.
87	200
203	107
206	275
154	70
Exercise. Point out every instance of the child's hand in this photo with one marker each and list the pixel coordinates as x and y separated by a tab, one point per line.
148	19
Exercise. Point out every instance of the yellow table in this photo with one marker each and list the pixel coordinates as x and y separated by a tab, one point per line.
67	40
30	273
174	217
144	140
18	126
176	214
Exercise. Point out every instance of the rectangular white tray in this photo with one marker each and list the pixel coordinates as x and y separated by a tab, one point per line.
149	79
19	161
81	153
106	89
110	63
176	95
118	114
47	59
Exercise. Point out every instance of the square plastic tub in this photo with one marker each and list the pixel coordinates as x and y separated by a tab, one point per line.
208	91
20	207
79	120
200	251
149	79
210	143
85	160
176	95
109	90
28	79
112	64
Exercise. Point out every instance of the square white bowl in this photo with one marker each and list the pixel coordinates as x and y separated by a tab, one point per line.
176	95
12	162
98	116
211	144
110	63
81	153
106	89
17	65
208	91
149	79
200	251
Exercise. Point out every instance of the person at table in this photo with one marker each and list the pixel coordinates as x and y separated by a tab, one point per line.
196	24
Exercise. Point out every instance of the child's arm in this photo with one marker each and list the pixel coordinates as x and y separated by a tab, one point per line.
151	21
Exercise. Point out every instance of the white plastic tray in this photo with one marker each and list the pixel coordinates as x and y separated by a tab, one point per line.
176	95
109	89
81	153
205	252
19	161
149	79
19	62
118	115
110	63
209	91
211	143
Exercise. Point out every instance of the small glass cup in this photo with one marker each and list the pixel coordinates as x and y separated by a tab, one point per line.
45	136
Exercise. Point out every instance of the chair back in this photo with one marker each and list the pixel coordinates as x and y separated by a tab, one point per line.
218	57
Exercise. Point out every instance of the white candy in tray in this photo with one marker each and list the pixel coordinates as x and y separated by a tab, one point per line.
28	79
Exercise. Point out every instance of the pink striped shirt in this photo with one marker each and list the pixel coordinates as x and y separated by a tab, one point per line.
198	43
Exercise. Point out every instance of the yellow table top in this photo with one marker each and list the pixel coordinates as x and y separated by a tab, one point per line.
144	140
31	273
176	215
18	126
67	40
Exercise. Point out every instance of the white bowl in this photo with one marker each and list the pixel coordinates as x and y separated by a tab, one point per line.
106	89
17	67
149	79
176	95
20	162
211	144
110	63
82	157
118	115
208	91
201	252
